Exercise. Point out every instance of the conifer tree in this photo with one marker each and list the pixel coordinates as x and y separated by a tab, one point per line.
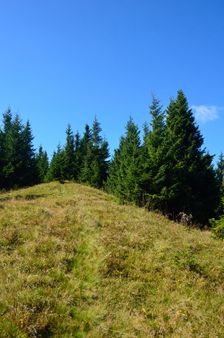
29	174
100	154
42	164
86	156
57	165
6	142
13	157
153	175
190	184
104	162
78	157
86	171
113	179
18	167
69	155
220	179
94	156
126	168
220	172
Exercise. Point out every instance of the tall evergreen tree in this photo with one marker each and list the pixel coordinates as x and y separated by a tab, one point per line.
104	162
57	165
126	168
69	155
86	156
190	184
6	149
220	172
220	179
29	174
100	154
42	164
94	156
13	147
18	167
153	175
78	156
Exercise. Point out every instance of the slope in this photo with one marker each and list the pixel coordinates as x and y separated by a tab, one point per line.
74	263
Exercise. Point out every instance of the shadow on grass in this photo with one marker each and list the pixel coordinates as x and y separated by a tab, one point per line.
29	197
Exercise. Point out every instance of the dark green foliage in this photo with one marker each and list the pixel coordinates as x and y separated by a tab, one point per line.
220	172
153	151
126	168
190	184
170	171
86	156
82	159
78	156
218	227
12	157
94	156
86	169
100	154
220	179
69	155
42	165
57	165
29	173
18	165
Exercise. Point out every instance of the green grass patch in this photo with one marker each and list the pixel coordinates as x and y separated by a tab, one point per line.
74	263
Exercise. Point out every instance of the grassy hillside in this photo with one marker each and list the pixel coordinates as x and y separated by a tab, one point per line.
74	263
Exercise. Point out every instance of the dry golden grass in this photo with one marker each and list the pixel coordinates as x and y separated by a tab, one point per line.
74	263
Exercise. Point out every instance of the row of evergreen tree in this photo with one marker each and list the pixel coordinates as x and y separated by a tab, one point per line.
168	171
83	159
17	156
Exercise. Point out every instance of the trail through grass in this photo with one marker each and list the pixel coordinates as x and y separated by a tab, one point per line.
74	263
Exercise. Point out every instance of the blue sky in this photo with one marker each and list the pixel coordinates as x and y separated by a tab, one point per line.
67	61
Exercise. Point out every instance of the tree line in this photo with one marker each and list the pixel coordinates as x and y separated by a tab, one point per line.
169	170
82	159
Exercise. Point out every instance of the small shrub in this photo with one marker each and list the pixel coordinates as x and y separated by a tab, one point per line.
218	227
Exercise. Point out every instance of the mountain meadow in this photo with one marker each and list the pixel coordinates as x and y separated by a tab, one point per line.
75	263
128	244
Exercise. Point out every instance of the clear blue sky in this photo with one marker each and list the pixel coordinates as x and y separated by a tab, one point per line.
66	61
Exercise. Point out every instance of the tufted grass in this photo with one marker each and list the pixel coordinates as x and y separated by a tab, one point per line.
74	263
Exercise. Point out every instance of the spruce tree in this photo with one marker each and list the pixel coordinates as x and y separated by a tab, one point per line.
18	167
113	179
42	164
190	184
220	179
87	165
153	175
6	149
126	168
29	174
100	154
220	172
78	157
69	155
94	156
57	165
13	147
86	156
104	162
